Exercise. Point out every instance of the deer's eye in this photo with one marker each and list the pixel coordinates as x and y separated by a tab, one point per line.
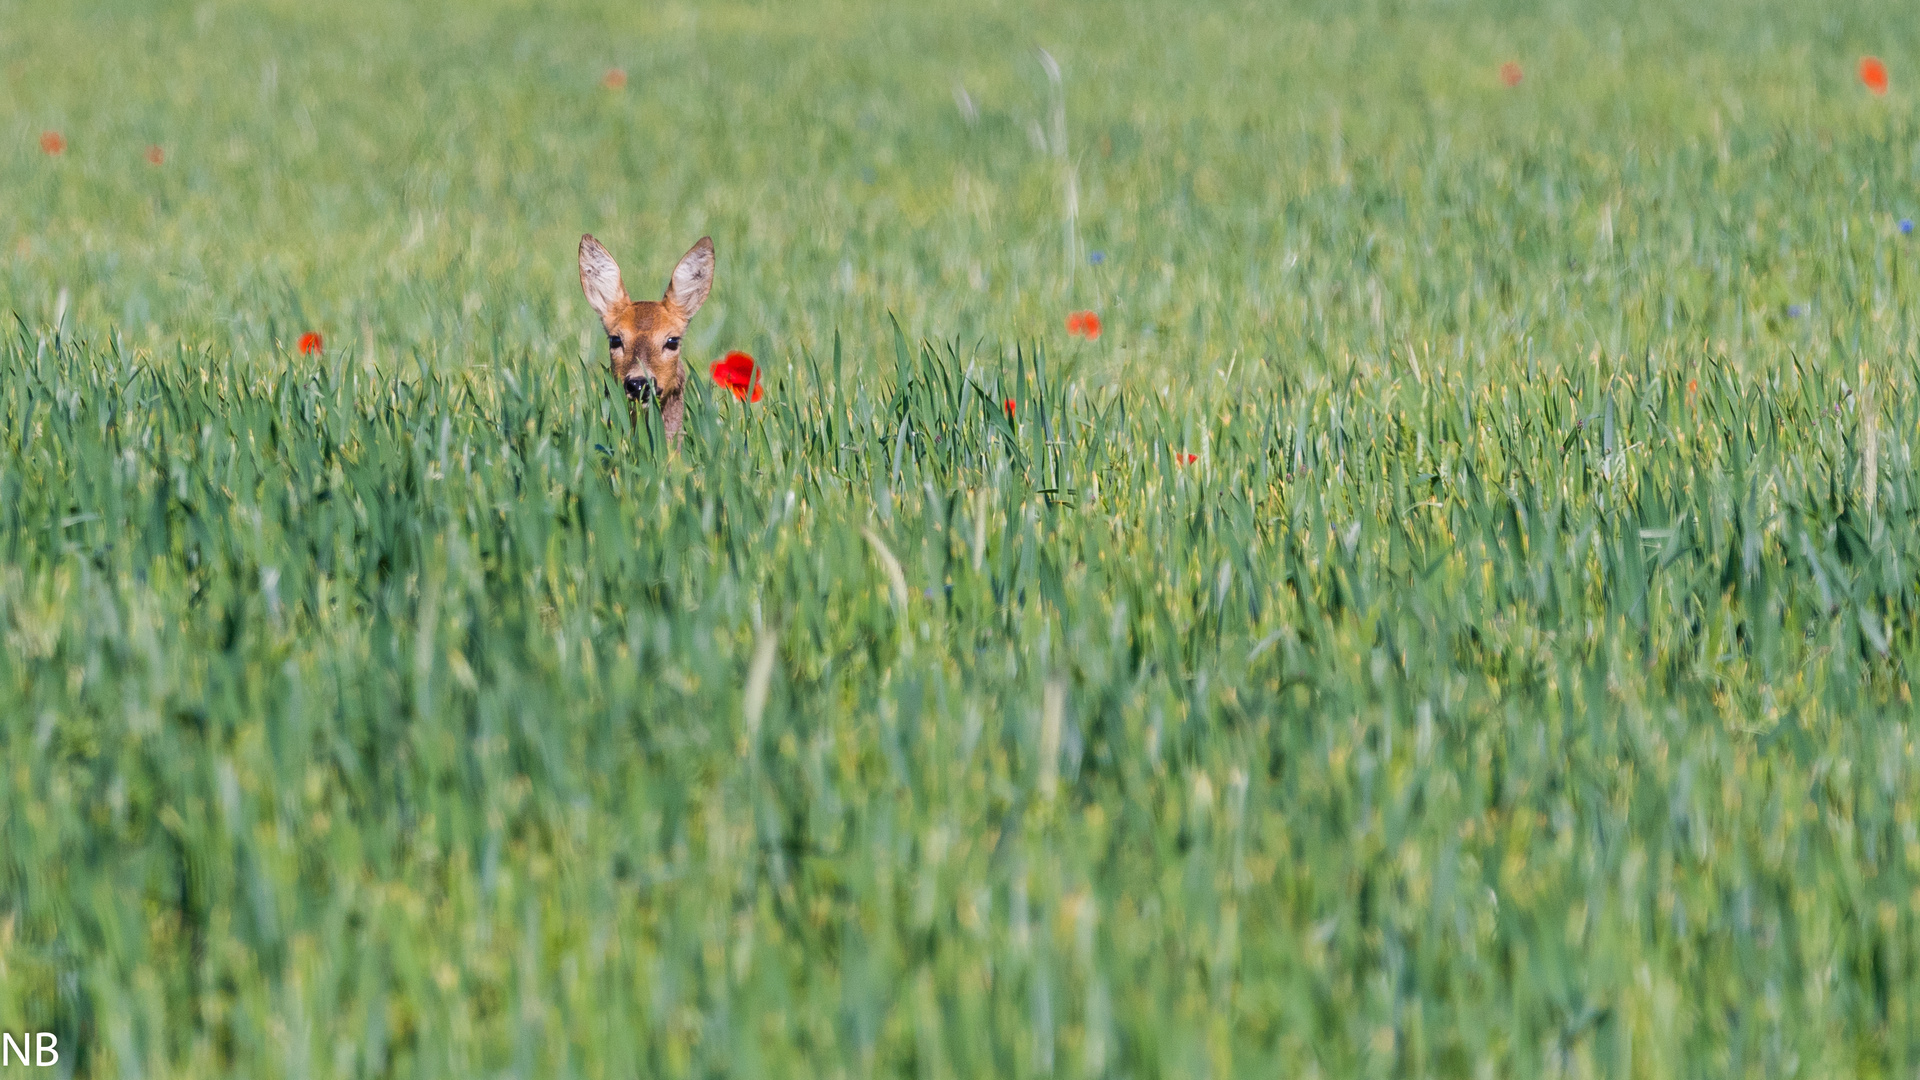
673	343
613	341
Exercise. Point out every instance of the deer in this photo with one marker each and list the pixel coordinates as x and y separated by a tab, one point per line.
643	336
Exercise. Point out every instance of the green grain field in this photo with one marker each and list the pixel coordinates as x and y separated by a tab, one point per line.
1457	619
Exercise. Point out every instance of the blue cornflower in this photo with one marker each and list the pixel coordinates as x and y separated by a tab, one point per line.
1794	311
1098	257
1906	226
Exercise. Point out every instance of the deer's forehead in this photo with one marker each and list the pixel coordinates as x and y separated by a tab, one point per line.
646	317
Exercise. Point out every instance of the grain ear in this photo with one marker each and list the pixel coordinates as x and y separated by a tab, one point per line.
692	279
600	278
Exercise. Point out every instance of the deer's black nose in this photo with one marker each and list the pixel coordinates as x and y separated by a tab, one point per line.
640	388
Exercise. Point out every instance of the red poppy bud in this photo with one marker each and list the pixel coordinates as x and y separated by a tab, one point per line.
1874	74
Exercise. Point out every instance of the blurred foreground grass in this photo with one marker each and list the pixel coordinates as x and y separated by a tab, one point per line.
1454	620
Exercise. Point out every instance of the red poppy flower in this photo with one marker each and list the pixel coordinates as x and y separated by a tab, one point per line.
52	142
1185	459
1510	73
614	79
309	343
1084	324
1009	408
1874	74
738	373
156	156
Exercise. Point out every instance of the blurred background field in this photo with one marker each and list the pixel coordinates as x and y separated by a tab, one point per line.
1453	620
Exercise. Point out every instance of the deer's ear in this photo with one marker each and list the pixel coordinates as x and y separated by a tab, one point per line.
692	279
600	278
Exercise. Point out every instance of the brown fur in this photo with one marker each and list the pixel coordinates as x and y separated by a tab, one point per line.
642	361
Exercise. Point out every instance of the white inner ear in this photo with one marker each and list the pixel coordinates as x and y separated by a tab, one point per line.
692	279
599	277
